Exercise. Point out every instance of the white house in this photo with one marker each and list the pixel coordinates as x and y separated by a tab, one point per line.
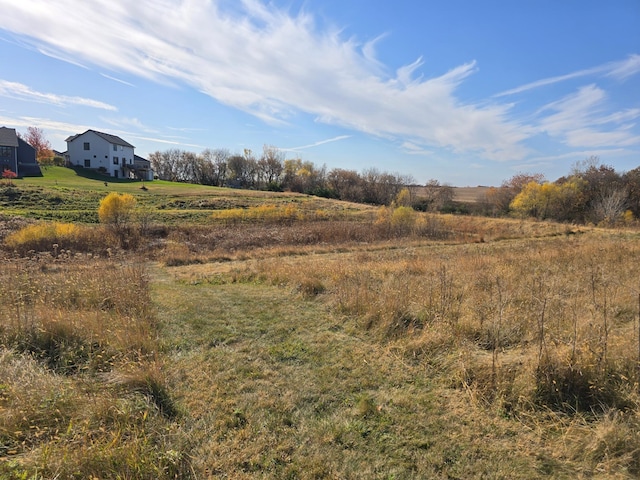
106	153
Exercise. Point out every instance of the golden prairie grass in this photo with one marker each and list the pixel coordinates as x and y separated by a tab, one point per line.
558	315
394	349
58	237
414	361
197	244
261	213
541	333
34	237
82	389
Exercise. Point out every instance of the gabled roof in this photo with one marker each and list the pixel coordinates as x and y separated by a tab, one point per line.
8	137
114	139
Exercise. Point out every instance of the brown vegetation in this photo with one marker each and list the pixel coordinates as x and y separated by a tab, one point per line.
81	384
541	331
272	342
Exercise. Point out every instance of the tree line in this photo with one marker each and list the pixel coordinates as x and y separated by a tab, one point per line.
271	171
592	193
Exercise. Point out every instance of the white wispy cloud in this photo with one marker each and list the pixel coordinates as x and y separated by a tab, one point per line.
55	131
44	123
270	63
164	141
318	143
20	91
580	118
275	64
58	132
626	68
620	70
128	123
117	80
580	155
414	149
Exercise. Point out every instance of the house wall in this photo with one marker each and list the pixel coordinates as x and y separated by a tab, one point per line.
125	157
101	154
26	153
98	153
27	163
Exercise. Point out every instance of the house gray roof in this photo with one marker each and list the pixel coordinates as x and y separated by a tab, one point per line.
114	139
8	137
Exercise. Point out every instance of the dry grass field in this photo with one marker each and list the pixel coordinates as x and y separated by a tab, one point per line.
470	194
524	350
301	344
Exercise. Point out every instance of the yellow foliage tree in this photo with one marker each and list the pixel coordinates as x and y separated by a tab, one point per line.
116	210
403	218
549	200
403	199
526	202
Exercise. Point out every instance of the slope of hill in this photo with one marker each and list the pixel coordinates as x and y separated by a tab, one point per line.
74	195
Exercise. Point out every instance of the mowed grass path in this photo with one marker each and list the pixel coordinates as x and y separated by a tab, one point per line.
273	385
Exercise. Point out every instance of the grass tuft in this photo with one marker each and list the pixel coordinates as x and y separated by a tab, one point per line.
148	381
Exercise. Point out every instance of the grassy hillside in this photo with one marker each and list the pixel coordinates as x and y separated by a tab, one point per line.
365	343
74	195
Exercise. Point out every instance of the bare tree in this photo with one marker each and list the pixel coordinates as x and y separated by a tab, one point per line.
347	184
214	166
271	165
187	167
602	191
632	185
165	164
241	170
303	176
609	206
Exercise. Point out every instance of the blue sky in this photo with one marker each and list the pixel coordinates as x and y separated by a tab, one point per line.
462	91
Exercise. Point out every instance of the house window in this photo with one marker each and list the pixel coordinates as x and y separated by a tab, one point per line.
87	163
6	153
115	160
87	146
115	147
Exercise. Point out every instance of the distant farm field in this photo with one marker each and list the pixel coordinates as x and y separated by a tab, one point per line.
236	334
469	194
